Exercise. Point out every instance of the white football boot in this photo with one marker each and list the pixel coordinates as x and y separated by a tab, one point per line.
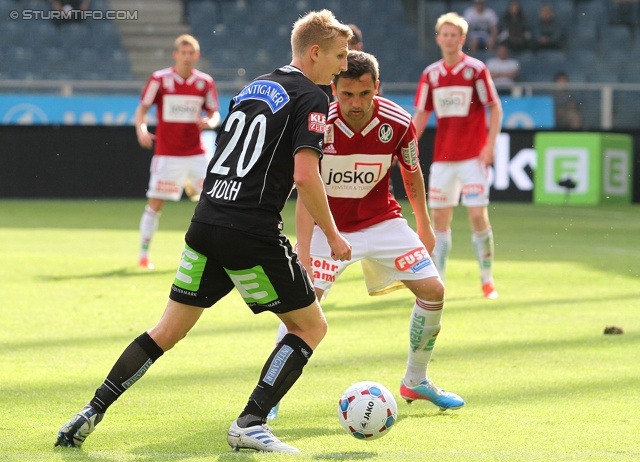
258	437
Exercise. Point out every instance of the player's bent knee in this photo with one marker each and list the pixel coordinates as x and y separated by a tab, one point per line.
165	339
431	289
307	323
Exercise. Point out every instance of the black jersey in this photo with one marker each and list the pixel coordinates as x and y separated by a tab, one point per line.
328	90
250	175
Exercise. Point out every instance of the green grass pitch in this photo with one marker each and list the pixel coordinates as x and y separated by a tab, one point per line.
541	380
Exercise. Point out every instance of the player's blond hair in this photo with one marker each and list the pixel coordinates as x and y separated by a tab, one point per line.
316	28
187	39
454	19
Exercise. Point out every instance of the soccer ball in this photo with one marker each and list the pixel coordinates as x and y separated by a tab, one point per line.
367	410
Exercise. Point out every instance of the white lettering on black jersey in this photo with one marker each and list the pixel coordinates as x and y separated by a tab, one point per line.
250	175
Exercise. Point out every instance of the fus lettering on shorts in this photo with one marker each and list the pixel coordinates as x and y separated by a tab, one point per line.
190	271
254	286
414	260
472	190
324	270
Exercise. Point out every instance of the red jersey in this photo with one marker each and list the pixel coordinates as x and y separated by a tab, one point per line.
458	95
179	103
356	167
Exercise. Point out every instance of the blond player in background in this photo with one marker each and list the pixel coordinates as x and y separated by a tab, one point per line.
181	94
459	89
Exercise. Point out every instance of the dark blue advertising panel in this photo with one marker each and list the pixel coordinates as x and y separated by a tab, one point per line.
75	161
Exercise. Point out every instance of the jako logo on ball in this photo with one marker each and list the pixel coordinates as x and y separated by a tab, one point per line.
367	410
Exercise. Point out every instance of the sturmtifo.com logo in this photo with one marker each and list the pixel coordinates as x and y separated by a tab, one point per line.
75	15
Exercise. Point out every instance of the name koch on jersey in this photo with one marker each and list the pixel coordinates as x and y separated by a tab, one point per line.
251	172
275	97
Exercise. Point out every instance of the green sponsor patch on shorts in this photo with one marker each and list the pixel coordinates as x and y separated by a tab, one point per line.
253	284
190	270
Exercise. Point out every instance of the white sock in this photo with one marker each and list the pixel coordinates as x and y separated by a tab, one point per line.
483	246
148	227
282	331
441	251
423	330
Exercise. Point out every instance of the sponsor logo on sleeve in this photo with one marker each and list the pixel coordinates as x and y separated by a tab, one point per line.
317	122
410	154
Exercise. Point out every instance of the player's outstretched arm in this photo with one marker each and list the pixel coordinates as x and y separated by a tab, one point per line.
414	187
314	198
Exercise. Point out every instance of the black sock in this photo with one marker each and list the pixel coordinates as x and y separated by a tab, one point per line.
280	372
130	366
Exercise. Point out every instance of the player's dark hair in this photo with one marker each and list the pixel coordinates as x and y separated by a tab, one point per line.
359	63
357	36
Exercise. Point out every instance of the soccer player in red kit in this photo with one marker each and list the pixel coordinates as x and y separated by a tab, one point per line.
364	134
459	89
181	95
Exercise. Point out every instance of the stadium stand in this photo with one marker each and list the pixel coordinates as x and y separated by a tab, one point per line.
594	46
241	39
39	49
244	38
250	37
591	34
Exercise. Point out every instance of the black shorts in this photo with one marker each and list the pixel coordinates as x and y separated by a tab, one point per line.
265	270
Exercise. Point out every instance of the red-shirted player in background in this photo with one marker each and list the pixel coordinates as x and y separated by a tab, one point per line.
364	134
459	88
181	95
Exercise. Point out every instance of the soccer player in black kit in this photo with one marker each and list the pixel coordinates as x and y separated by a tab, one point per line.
272	137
